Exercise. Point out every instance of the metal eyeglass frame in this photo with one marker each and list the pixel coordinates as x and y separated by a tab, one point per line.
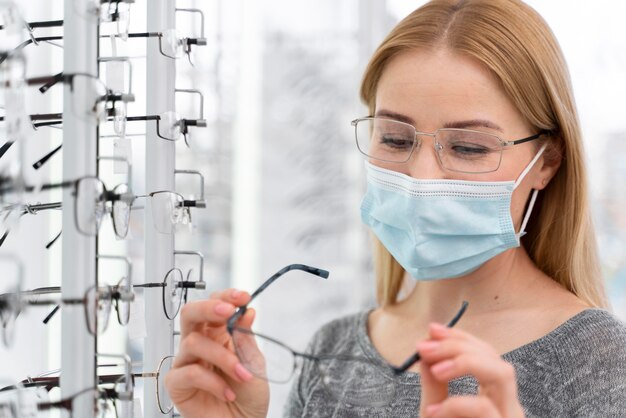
183	284
110	294
231	323
107	196
51	382
438	147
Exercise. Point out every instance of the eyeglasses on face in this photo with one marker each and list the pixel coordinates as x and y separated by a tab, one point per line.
458	150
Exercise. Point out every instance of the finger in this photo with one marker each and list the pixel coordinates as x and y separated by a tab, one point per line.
434	351
433	391
215	311
179	382
247	319
235	296
495	376
463	407
439	331
487	370
198	347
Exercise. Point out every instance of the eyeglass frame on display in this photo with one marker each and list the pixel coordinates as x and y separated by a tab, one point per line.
108	196
185	42
51	382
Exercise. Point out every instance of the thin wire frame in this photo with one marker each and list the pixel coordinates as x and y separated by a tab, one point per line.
439	148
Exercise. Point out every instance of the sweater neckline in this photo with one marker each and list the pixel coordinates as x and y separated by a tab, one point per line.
413	378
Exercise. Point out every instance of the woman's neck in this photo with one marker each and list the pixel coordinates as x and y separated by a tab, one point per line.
506	282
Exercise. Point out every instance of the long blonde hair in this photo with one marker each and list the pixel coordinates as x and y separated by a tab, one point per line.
514	42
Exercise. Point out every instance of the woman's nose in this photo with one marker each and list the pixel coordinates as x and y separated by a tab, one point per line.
424	162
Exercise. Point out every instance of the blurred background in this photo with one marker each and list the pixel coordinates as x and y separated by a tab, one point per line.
283	179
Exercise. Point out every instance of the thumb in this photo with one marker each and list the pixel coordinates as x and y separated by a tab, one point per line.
433	391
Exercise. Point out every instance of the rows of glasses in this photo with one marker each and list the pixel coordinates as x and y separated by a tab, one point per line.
93	202
113	394
98	103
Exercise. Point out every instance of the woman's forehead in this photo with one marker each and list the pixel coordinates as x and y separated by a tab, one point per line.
430	86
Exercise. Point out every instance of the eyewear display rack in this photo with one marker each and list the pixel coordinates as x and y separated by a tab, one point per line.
79	271
86	300
160	168
79	267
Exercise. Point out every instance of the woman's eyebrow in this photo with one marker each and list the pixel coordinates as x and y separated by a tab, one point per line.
473	123
394	115
462	124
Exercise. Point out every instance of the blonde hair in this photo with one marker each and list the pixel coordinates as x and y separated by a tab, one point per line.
514	42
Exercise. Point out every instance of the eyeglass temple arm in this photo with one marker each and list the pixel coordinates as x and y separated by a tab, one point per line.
308	269
155	284
530	138
51	243
416	357
42	24
37	164
3	57
57	307
41	116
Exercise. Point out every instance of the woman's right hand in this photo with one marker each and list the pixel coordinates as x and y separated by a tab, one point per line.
206	378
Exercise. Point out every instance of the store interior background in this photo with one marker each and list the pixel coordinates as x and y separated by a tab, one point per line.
283	178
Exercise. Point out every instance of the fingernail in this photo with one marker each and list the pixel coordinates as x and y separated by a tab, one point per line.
440	328
443	367
236	293
225	309
433	409
243	374
428	346
229	395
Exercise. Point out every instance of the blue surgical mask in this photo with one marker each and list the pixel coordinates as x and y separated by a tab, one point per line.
441	229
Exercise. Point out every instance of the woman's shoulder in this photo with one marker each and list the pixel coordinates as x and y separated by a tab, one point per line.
577	369
579	339
592	329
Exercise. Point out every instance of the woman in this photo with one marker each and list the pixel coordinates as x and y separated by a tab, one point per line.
476	192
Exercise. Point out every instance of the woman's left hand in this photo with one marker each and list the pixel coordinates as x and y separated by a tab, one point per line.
451	353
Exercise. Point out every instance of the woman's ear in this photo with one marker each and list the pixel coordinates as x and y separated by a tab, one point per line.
549	164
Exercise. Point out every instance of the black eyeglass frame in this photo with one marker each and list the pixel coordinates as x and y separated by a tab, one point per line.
231	323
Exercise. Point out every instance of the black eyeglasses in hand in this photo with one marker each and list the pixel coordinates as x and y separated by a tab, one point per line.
344	376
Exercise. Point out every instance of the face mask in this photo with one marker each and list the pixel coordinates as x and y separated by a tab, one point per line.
441	229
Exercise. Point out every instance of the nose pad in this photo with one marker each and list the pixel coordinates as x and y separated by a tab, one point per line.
426	164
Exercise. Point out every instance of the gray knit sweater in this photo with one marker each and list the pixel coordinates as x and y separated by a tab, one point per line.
577	370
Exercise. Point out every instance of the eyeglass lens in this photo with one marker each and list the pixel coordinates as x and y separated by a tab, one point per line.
167	211
173	291
458	149
90	205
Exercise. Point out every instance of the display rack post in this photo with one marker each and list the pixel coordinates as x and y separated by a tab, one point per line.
160	165
78	347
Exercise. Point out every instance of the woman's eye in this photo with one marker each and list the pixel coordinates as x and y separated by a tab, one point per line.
469	149
396	142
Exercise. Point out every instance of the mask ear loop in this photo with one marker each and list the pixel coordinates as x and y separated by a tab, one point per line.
533	197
